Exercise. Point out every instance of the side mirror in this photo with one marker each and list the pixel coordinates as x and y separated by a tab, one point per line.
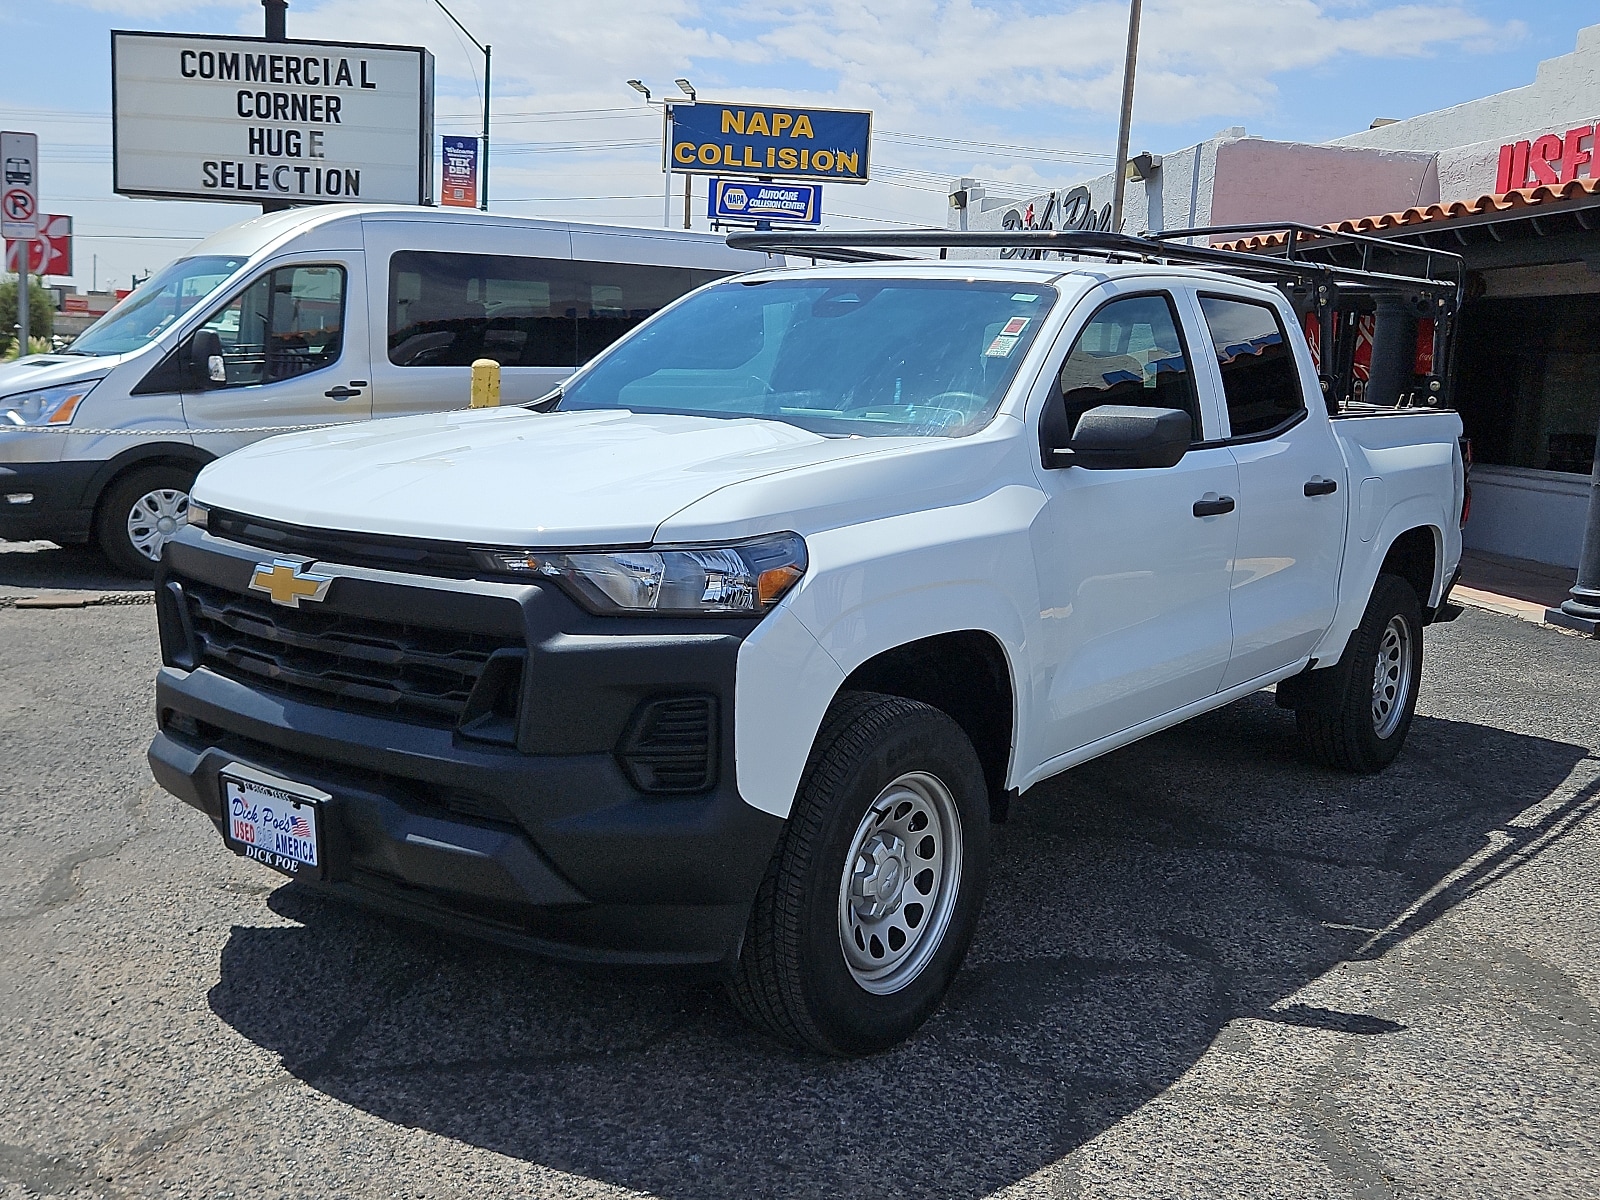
203	362
1120	436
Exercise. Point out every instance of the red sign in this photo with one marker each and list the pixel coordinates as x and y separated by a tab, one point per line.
1551	159
50	253
75	304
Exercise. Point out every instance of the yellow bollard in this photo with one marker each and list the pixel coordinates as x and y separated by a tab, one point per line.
485	383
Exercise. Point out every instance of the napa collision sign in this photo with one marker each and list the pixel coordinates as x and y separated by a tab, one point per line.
825	144
216	118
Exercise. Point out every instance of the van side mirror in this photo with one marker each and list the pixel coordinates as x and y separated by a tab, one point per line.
203	363
1120	436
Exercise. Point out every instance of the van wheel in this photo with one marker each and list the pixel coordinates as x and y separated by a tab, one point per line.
870	900
1365	727
139	513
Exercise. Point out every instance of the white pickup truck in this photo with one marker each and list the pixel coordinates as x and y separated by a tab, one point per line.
731	650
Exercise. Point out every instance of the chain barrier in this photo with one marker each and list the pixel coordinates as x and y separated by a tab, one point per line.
136	433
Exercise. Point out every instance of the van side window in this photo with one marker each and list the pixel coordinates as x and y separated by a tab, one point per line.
445	310
614	297
1259	377
289	322
1129	353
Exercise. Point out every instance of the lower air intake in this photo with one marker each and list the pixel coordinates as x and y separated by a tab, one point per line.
671	745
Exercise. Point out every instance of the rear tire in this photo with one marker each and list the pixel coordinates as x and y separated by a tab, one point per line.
873	892
139	513
1365	724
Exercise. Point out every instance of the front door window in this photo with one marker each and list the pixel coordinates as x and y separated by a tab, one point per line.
289	322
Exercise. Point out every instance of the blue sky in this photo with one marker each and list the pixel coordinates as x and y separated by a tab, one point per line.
1022	95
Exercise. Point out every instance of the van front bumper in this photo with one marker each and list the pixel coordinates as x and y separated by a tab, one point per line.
46	500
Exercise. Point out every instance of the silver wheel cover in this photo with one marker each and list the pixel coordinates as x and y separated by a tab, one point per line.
1392	677
154	518
901	876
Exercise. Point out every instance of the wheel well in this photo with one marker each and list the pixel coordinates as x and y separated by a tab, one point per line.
1412	558
964	675
120	466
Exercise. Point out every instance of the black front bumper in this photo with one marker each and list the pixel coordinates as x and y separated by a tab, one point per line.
61	507
550	843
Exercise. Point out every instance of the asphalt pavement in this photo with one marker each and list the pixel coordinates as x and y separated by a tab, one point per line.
1205	968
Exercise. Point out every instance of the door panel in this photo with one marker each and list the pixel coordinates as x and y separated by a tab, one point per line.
1286	574
1133	619
290	337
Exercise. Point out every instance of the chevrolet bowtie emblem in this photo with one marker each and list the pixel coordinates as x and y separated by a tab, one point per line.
287	583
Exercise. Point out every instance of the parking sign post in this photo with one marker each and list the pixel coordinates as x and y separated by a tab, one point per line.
19	211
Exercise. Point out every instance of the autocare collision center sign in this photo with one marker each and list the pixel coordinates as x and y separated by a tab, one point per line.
213	118
795	143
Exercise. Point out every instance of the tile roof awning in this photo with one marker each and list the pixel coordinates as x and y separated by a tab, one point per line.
1543	211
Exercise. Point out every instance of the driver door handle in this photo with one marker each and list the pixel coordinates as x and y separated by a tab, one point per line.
1213	505
1318	486
342	393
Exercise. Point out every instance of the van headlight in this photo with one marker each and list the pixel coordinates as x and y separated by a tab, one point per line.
737	578
47	406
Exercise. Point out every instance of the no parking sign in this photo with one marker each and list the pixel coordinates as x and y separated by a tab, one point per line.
19	185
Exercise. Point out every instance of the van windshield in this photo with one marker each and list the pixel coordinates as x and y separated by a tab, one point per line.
876	357
161	300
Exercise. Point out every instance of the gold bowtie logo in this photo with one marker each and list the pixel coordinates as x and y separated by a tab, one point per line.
287	584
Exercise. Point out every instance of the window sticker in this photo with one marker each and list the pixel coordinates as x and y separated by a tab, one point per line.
1024	298
1002	346
1014	327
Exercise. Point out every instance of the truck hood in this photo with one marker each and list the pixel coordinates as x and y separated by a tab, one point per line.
511	476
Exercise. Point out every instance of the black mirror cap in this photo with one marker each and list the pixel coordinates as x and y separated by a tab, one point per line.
1121	436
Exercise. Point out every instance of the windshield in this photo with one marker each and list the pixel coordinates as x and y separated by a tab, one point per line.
879	357
150	311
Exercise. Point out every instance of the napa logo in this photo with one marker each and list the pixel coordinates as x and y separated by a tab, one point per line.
736	199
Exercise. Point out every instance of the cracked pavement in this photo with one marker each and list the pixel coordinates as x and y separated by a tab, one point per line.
1205	968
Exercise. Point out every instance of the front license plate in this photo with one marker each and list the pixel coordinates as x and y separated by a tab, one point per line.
274	821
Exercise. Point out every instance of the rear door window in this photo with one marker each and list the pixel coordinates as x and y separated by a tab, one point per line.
1260	379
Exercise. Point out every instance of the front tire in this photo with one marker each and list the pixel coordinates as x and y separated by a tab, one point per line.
1365	724
139	514
872	895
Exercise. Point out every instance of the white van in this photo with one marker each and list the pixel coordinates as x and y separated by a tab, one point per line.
308	317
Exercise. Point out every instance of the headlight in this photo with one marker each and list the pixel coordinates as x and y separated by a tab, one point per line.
47	406
199	515
739	579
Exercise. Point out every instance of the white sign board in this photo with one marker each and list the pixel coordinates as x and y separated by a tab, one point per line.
19	185
215	118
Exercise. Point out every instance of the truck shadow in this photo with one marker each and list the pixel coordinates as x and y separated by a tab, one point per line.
1139	905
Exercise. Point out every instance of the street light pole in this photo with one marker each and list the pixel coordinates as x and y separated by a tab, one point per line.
483	151
1581	610
1120	183
688	180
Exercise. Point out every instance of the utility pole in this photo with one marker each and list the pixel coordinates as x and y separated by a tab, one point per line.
483	151
1120	183
276	18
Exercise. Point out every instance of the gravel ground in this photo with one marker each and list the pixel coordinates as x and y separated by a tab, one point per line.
1205	969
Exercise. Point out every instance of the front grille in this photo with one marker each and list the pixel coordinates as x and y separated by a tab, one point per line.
671	745
418	555
408	672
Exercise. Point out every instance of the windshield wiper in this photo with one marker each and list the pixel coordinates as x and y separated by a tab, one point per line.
545	403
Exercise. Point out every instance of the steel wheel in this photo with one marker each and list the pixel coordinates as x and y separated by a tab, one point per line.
1392	677
154	518
900	883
